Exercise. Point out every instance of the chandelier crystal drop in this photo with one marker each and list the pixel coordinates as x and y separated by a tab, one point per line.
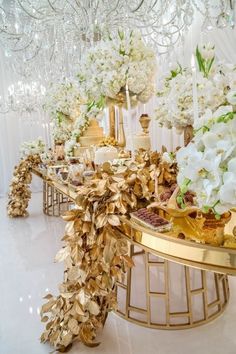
64	28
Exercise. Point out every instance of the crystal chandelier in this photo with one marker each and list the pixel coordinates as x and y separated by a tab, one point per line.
23	97
44	39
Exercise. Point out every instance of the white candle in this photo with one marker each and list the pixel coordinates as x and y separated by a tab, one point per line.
195	95
144	108
129	121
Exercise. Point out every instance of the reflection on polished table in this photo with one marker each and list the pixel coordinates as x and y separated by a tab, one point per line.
175	283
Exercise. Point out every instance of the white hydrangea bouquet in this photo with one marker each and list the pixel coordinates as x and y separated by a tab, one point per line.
175	99
122	62
32	147
207	165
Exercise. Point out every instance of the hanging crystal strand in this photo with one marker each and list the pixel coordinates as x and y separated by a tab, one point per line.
231	20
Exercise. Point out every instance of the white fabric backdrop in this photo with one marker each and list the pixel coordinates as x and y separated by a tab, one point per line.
16	128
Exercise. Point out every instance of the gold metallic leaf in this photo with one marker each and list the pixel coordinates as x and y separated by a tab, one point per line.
93	308
62	254
101	221
48	296
73	326
128	261
46	307
70	215
78	309
66	339
113	220
44	318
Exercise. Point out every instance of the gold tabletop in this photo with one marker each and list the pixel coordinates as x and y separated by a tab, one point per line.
197	255
166	245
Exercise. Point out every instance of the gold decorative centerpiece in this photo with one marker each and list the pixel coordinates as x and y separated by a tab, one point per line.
142	141
93	135
144	120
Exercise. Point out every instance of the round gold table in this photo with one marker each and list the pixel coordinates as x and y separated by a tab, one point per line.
175	284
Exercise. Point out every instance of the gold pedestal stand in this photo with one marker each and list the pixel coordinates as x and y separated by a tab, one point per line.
160	294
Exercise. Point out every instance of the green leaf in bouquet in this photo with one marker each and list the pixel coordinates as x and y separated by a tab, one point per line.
209	65
199	60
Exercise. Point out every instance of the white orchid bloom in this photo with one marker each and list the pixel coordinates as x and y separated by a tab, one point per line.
231	97
207	51
222	110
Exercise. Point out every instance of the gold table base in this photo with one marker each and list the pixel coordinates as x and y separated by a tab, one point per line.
160	294
55	203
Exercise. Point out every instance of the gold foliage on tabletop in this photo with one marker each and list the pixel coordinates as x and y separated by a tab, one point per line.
95	256
19	193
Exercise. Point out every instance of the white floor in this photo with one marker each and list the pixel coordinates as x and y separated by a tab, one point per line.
27	273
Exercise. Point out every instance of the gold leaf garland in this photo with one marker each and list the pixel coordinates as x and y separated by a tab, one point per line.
95	255
19	193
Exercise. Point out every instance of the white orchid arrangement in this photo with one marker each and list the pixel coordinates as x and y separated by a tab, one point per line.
207	165
32	147
87	111
122	59
175	100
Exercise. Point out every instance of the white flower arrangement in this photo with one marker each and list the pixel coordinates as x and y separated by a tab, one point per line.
175	103
207	165
61	132
32	147
64	98
63	104
87	111
121	60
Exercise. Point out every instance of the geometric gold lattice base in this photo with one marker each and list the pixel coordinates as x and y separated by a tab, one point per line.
55	203
160	294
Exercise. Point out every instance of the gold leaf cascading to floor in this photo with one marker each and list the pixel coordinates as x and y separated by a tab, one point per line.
95	256
19	194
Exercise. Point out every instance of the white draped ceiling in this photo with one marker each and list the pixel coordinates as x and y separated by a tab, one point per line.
16	128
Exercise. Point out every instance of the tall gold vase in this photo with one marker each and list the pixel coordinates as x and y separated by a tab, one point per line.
121	133
112	121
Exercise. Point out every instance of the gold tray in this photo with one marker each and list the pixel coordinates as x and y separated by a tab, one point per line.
197	255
